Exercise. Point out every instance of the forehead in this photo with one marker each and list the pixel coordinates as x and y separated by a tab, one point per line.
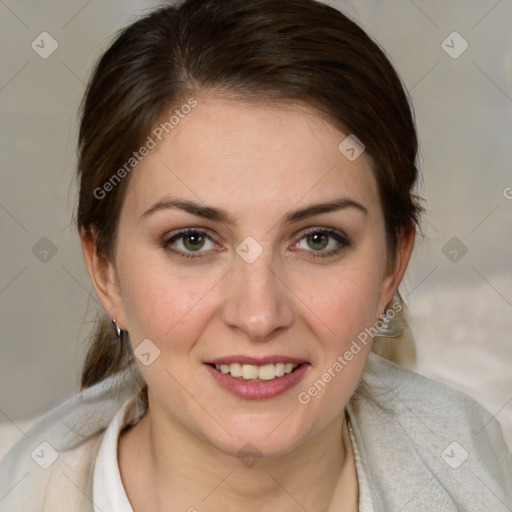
227	152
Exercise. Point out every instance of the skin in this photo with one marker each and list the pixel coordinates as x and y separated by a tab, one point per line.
258	163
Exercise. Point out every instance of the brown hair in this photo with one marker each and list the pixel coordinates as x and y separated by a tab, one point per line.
253	50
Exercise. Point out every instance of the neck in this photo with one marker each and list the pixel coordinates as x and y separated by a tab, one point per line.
186	473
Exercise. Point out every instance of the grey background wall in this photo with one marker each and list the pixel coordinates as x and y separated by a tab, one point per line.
463	102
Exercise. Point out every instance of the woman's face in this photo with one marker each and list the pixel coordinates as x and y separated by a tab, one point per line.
262	277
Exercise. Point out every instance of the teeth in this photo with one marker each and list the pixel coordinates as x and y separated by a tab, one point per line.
250	371
253	372
266	372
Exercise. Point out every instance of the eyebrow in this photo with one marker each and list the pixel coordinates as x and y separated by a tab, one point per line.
219	215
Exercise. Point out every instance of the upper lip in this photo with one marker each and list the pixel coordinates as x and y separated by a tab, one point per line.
259	361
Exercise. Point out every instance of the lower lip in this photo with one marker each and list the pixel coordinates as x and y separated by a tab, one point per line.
258	390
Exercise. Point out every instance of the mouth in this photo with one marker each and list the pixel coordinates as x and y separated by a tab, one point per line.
253	372
257	379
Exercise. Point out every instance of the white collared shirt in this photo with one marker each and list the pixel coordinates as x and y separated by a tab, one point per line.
108	492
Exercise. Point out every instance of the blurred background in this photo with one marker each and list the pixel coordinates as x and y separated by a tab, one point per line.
454	57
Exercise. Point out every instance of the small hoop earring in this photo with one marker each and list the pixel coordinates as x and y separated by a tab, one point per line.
118	330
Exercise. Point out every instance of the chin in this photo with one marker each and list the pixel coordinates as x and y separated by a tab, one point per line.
253	436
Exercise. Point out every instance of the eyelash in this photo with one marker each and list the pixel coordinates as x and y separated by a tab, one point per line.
336	235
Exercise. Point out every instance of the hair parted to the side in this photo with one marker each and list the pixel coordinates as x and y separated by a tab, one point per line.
302	51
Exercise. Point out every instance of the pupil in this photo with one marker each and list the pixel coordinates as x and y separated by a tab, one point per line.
317	239
196	240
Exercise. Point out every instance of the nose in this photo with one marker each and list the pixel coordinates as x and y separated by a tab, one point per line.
258	302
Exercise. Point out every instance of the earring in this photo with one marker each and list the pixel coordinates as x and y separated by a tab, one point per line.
118	330
392	325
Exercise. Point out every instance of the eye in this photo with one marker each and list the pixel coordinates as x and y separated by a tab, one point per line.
189	241
194	243
323	242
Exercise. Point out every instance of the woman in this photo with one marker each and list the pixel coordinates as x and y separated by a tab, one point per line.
247	212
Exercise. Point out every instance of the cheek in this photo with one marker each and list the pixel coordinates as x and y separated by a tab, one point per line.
163	303
340	319
356	305
344	303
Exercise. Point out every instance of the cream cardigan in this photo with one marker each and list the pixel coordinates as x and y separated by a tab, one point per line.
424	447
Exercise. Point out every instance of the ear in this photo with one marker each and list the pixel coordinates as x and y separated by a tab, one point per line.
396	270
103	276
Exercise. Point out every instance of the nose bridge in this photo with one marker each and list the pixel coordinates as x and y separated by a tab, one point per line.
257	302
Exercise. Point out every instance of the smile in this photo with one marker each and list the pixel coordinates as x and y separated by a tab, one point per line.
268	371
257	378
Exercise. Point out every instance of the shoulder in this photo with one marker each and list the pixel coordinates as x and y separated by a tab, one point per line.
34	475
51	467
421	437
416	398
